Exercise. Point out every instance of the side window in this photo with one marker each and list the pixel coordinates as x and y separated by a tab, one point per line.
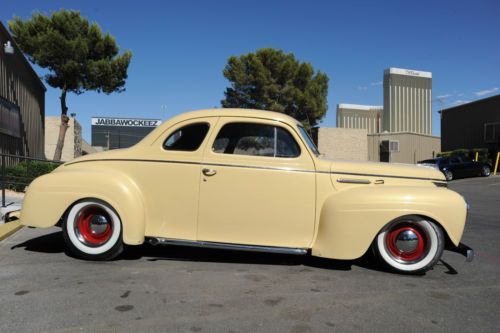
187	138
255	140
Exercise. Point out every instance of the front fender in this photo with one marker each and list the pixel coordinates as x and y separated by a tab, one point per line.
49	196
351	219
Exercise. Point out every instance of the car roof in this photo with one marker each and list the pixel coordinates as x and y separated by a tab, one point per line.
235	112
215	112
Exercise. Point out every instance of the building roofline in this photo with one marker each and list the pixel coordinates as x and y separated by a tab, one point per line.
18	49
473	102
125	118
399	133
407	72
360	107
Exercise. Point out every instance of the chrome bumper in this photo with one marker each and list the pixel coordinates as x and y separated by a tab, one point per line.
464	250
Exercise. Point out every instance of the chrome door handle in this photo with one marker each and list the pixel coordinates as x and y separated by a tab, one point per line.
208	172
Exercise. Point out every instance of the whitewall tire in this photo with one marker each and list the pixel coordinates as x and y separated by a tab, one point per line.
410	244
92	230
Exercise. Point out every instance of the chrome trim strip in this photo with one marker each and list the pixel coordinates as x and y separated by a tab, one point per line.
251	167
227	246
386	176
133	160
257	167
192	163
353	181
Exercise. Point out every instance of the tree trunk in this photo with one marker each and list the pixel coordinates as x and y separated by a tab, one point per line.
64	126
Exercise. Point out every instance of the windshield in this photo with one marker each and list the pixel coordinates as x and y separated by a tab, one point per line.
308	140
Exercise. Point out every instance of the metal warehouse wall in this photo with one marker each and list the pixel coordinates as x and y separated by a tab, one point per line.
463	126
412	147
20	85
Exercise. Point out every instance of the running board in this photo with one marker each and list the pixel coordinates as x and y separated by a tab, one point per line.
227	246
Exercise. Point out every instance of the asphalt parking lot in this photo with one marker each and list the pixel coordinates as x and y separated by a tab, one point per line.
174	289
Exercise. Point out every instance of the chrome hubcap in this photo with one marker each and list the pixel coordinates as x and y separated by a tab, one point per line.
98	224
407	241
93	226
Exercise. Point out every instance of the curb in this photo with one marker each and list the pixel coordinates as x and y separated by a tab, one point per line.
9	228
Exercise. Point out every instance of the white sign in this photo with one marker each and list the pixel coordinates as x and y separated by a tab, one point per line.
409	72
127	122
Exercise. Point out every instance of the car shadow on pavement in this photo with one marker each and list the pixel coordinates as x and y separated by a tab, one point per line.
54	243
49	243
194	254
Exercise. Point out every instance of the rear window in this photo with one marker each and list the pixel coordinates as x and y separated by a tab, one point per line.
187	138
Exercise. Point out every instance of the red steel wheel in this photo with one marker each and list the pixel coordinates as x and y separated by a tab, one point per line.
94	226
406	243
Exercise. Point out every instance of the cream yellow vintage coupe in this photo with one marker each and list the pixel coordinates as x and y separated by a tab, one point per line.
248	180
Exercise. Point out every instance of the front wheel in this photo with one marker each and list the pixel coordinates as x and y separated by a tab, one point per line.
448	175
92	230
410	245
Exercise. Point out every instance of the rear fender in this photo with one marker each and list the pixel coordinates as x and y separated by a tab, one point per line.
49	197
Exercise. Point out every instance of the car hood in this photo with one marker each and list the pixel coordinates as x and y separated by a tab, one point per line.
381	169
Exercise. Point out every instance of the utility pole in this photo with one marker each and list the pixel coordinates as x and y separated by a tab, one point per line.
107	141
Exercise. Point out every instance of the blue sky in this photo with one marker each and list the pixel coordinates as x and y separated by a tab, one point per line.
180	48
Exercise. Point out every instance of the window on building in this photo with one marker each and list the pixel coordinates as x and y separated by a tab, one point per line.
255	140
492	132
187	138
10	121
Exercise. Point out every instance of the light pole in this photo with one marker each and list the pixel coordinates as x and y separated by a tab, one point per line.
163	108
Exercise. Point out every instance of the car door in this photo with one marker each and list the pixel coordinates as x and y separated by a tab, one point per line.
471	168
257	185
456	167
171	176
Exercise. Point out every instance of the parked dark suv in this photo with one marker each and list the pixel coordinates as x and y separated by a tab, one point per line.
458	167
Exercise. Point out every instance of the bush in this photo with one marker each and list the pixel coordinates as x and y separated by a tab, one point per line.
22	174
483	154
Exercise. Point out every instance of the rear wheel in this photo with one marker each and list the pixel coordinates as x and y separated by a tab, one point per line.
92	230
485	171
410	245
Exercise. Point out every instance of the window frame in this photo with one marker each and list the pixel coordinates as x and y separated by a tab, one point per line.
309	142
11	108
258	123
163	147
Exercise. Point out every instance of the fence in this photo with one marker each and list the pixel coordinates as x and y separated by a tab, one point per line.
17	172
